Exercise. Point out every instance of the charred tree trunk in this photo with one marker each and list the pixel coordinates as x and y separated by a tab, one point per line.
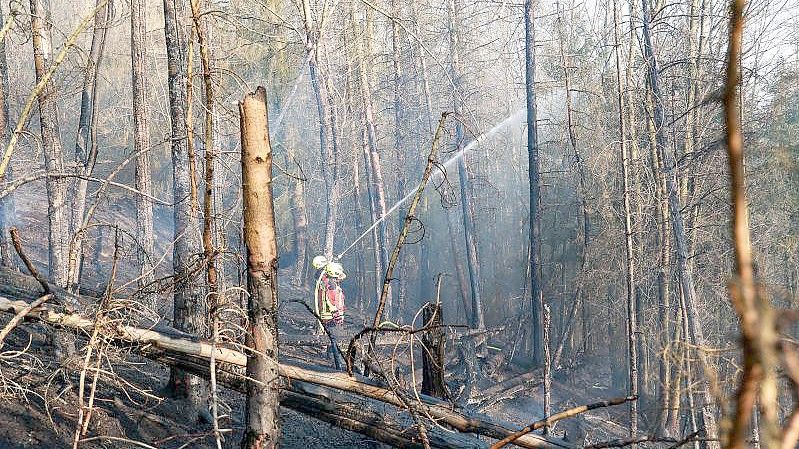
433	352
477	321
141	142
327	138
262	428
85	142
189	314
300	215
57	188
535	192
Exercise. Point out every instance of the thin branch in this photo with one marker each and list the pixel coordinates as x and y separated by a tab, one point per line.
28	264
552	419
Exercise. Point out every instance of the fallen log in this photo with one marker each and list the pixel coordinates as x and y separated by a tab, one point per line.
377	420
171	341
502	389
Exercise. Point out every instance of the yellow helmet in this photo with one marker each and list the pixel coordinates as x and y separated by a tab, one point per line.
335	270
319	262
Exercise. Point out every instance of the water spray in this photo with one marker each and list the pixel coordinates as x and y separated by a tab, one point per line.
516	116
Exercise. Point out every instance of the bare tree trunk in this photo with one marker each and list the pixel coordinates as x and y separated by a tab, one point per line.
399	154
678	229
85	141
360	263
586	218
57	211
547	321
262	426
189	311
141	142
477	321
536	334
632	312
327	138
377	191
210	233
300	216
457	261
7	209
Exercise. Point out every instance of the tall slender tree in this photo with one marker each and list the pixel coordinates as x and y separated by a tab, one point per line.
477	320
536	306
141	141
86	142
327	137
7	212
57	210
632	313
684	274
188	314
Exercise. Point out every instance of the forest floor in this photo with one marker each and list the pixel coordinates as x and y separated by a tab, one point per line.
131	405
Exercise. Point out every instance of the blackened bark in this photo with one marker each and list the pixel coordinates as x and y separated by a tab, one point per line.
534	178
433	352
141	141
189	311
262	430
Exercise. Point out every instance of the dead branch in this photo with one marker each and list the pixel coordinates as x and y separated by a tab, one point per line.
28	264
21	315
552	419
690	438
409	218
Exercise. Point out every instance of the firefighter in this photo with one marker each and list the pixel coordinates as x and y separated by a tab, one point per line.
329	303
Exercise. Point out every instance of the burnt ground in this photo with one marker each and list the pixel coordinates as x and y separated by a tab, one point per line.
131	405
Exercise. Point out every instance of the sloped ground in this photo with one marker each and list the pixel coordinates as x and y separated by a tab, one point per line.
129	409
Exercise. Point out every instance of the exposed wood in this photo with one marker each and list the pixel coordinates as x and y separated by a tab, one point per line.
21	316
373	419
759	385
262	423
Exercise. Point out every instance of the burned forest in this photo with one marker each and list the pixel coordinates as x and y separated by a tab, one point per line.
433	224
